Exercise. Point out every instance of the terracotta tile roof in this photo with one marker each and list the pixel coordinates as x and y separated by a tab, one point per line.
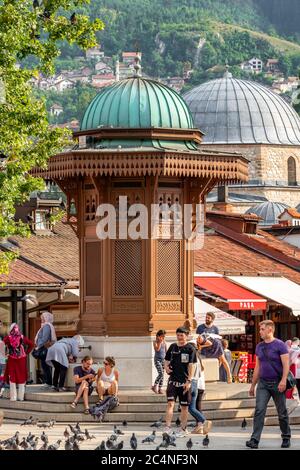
222	254
58	252
292	212
23	273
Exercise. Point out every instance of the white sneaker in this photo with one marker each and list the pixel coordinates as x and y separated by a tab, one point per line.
181	433
167	430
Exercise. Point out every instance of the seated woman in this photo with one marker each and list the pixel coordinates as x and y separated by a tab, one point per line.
84	377
214	349
107	378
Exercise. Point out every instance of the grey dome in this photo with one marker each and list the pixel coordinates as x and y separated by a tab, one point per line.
268	211
232	111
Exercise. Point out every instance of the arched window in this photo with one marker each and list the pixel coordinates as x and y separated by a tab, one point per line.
292	174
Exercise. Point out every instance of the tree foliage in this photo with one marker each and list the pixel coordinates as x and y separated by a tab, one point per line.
34	30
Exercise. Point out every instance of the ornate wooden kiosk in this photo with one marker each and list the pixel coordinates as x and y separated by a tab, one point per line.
137	139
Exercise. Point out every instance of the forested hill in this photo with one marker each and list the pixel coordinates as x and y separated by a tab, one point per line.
284	15
168	32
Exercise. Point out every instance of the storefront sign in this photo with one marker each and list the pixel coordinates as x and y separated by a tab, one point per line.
246	305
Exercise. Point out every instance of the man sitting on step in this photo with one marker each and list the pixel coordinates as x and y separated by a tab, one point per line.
84	376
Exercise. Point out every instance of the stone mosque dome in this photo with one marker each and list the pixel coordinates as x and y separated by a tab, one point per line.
268	211
233	111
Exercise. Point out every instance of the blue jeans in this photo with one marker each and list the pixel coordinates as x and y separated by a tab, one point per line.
194	411
266	390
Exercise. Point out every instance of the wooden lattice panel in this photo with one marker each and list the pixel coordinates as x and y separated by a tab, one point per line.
128	272
168	267
90	206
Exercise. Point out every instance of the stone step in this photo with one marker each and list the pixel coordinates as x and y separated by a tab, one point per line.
158	407
135	397
117	416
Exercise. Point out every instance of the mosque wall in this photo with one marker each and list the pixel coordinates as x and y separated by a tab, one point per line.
268	164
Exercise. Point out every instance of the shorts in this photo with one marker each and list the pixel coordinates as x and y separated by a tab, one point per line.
173	392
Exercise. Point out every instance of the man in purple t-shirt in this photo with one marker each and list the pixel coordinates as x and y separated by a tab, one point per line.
270	373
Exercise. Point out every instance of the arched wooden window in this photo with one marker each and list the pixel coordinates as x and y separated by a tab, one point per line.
292	174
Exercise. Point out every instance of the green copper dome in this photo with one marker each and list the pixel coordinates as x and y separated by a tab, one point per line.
137	103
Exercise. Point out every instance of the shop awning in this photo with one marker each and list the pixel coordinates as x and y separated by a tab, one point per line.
227	324
237	298
279	289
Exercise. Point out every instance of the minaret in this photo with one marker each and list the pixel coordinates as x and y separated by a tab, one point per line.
227	74
137	65
117	71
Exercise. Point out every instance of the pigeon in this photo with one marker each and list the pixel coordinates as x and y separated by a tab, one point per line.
27	421
73	430
178	422
44	425
118	431
17	437
88	436
76	446
157	424
124	423
56	445
170	439
113	437
52	422
101	446
24	444
78	437
66	433
35	443
109	444
163	445
150	438
189	444
44	437
78	428
117	446
11	445
205	441
133	442
30	437
68	445
44	446
244	423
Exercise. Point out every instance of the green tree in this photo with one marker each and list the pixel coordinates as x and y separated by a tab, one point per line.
37	30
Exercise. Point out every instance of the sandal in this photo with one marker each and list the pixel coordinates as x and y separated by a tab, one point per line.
73	405
87	411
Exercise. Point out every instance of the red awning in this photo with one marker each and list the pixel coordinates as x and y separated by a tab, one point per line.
237	297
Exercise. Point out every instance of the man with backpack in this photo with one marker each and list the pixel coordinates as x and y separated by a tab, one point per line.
180	362
271	374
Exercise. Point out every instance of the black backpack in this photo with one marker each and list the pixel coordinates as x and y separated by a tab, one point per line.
106	405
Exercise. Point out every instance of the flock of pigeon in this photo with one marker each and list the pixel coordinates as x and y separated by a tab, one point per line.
73	436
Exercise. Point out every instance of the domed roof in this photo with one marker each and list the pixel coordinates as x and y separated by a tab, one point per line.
268	211
232	111
137	103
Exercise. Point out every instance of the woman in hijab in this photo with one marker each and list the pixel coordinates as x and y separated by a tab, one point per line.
18	346
294	352
59	356
45	338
